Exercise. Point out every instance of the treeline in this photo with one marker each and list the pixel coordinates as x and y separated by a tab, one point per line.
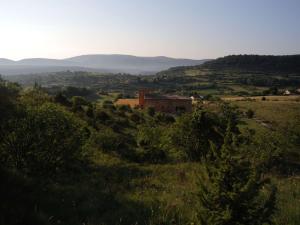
78	79
267	81
267	63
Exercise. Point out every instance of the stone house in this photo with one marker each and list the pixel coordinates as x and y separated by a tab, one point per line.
161	103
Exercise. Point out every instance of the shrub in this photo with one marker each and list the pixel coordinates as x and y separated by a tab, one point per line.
151	111
135	117
165	118
8	97
125	108
90	111
62	99
102	115
106	139
78	102
150	141
249	113
34	97
109	105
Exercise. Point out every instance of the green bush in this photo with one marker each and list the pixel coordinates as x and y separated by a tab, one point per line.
135	117
102	116
191	133
44	140
249	113
8	97
151	144
151	111
106	140
78	102
109	105
62	99
165	118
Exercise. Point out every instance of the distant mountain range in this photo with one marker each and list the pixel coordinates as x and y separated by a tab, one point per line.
94	63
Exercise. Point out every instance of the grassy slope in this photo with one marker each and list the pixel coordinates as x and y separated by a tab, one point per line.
156	192
114	191
277	114
163	190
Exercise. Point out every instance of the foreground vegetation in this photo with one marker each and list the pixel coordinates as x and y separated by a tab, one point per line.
71	161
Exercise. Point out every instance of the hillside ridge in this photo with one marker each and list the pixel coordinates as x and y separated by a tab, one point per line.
115	63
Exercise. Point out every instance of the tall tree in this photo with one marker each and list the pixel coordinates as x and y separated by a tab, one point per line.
232	191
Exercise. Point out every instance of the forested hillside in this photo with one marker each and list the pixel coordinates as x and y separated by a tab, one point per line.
288	63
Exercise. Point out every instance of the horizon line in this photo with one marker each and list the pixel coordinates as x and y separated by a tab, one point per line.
143	56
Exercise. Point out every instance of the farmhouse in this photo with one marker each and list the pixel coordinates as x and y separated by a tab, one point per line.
161	103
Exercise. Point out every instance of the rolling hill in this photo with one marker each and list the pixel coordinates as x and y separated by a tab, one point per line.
234	75
266	63
94	63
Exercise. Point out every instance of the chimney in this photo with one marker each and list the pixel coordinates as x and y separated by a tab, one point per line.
142	98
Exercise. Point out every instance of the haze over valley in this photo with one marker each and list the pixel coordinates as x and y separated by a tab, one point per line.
94	63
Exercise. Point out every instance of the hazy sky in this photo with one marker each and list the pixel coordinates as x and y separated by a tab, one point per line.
178	28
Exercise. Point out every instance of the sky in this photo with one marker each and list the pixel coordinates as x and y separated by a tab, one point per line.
197	29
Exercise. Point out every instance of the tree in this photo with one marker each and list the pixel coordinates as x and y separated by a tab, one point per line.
101	115
191	133
43	140
62	99
151	143
76	91
9	93
78	102
229	115
231	189
34	97
90	111
107	140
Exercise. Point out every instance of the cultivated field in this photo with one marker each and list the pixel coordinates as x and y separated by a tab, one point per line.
266	98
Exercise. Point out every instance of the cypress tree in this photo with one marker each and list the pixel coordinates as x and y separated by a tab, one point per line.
232	191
